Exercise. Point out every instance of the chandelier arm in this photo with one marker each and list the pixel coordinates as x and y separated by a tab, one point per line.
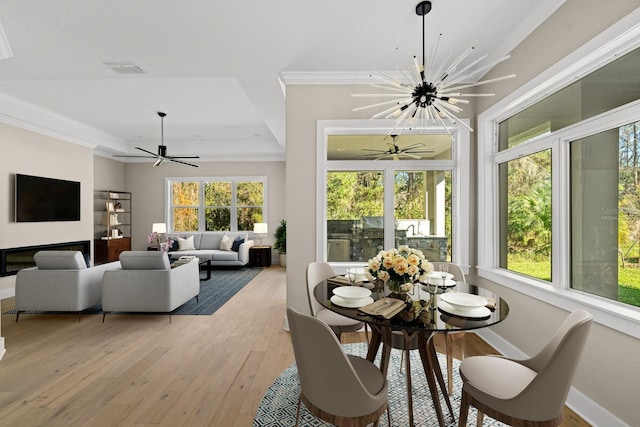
469	75
450	107
459	75
391	81
381	95
393	101
394	88
454	65
453	117
433	54
446	128
389	111
484	82
440	68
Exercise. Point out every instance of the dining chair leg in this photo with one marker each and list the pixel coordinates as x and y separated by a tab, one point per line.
448	345
366	334
480	419
298	410
464	410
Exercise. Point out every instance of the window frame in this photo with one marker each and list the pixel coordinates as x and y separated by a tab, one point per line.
619	39
169	181
459	165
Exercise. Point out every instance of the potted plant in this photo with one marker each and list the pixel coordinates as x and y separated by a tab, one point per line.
281	242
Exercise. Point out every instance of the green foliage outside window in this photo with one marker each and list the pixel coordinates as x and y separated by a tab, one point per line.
222	200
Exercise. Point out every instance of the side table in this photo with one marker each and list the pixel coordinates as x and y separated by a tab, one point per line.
260	256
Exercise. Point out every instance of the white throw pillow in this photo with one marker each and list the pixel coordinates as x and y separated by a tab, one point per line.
226	243
186	244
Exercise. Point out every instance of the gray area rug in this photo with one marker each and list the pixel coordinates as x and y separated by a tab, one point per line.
278	406
223	285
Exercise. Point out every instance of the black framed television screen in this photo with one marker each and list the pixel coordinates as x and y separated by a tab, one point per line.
41	199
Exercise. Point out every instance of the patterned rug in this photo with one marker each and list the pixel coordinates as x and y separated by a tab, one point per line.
278	406
223	285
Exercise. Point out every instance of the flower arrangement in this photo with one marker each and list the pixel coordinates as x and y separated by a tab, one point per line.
400	268
155	237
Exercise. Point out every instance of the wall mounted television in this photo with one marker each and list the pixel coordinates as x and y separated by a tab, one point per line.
40	199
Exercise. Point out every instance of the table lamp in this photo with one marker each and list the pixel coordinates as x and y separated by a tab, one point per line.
160	228
260	228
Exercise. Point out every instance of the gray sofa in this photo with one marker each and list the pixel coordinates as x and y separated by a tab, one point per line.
147	283
207	245
60	281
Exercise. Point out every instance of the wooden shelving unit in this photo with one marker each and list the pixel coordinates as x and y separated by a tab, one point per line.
112	225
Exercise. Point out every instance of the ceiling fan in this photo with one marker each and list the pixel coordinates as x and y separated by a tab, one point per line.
161	156
393	151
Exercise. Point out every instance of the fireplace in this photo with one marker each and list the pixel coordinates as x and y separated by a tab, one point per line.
13	260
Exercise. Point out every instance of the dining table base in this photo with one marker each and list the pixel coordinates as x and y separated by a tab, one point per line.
428	357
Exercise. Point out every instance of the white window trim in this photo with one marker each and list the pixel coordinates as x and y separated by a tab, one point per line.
621	38
459	165
203	179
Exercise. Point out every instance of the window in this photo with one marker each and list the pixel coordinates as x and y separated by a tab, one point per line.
559	205
525	220
605	214
381	191
216	204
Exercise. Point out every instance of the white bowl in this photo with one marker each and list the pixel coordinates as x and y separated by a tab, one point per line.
352	293
357	272
463	302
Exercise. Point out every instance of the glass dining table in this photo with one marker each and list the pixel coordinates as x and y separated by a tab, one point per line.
418	333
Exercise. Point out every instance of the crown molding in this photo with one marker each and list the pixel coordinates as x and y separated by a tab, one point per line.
23	115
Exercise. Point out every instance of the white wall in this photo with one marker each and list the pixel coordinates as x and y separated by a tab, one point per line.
34	154
609	371
147	185
608	376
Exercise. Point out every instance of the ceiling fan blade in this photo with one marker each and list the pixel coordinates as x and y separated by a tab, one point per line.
413	156
171	159
409	147
142	157
374	150
146	151
187	156
425	151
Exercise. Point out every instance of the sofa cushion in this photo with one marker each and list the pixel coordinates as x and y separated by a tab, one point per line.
236	244
144	260
210	241
226	243
224	256
60	260
186	244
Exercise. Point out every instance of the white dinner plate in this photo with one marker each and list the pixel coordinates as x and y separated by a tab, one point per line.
351	304
474	313
438	275
448	283
351	293
463	301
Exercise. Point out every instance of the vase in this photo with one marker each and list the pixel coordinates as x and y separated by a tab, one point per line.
394	291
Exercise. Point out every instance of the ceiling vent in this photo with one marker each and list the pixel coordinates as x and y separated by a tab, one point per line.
124	67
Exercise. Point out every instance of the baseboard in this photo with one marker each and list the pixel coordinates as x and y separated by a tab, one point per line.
586	408
7	293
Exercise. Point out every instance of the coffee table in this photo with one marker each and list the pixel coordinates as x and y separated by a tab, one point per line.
201	262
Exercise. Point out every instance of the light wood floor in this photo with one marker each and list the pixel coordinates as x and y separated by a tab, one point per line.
141	370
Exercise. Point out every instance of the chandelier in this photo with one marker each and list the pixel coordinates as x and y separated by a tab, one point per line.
429	94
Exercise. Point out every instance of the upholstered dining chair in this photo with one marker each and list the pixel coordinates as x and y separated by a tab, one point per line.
316	272
344	390
450	337
529	392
